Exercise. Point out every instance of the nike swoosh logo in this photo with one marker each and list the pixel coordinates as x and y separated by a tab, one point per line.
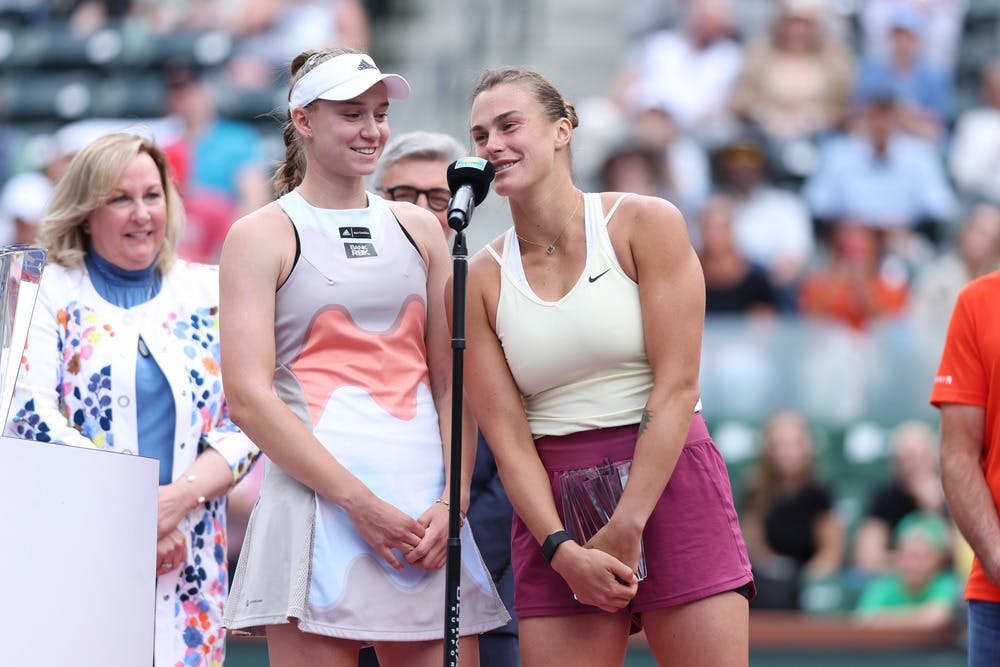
593	279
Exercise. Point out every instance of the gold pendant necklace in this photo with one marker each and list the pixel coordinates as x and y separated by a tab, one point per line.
550	248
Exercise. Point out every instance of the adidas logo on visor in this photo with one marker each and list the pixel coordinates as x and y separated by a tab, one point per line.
364	64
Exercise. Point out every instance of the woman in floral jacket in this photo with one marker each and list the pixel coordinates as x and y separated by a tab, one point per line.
123	355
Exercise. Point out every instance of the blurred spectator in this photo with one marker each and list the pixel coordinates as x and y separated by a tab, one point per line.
752	17
919	591
684	163
791	530
655	158
942	28
797	80
632	167
881	176
974	156
22	204
24	197
689	70
849	287
771	225
924	92
162	17
87	16
642	17
269	33
733	285
915	486
266	34
218	164
976	252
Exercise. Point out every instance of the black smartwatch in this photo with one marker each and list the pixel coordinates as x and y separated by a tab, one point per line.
552	543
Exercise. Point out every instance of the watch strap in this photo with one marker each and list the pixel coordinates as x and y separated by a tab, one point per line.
552	543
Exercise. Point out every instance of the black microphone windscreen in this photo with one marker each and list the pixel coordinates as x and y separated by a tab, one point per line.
473	171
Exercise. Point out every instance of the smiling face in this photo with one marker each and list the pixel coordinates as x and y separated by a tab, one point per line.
347	138
511	129
128	230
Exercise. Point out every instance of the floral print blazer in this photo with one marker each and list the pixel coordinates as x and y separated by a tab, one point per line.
76	386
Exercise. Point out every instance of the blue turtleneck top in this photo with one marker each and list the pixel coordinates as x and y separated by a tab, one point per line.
155	410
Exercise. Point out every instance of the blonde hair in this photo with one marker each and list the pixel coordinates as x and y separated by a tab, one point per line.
292	169
89	180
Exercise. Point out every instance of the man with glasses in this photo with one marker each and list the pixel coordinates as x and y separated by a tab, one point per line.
414	168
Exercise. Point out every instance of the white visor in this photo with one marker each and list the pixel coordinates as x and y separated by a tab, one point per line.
344	77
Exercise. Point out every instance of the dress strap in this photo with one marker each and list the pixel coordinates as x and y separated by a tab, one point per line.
510	260
493	252
597	225
614	208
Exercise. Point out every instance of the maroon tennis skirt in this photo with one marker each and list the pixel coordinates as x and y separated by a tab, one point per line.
692	542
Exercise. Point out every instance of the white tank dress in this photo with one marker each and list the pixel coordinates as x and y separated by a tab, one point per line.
351	363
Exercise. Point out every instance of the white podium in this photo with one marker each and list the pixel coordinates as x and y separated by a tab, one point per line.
78	556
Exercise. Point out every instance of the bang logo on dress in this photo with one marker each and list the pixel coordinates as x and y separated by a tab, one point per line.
356	250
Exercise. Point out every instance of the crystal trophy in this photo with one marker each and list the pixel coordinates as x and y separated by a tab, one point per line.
589	498
20	272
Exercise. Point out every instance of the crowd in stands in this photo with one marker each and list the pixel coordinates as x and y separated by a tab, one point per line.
900	563
221	159
851	181
833	164
809	117
848	164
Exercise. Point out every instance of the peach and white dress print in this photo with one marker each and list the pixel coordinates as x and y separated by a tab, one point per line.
351	362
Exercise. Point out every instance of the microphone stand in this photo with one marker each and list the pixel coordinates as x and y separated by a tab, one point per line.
453	562
468	180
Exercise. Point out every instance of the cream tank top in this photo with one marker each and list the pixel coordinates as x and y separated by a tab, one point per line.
579	362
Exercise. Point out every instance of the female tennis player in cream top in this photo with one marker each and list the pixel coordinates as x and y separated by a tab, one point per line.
584	339
557	380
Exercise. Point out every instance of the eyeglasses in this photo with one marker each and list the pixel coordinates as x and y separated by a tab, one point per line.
437	198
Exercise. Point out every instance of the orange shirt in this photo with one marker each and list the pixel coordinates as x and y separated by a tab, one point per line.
831	294
968	374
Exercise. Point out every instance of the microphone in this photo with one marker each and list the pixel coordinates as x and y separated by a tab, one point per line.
469	180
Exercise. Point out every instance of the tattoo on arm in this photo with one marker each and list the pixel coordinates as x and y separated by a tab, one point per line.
647	417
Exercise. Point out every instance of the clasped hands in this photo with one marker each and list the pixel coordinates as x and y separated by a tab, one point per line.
171	544
421	542
596	571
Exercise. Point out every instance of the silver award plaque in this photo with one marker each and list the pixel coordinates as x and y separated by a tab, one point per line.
20	272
